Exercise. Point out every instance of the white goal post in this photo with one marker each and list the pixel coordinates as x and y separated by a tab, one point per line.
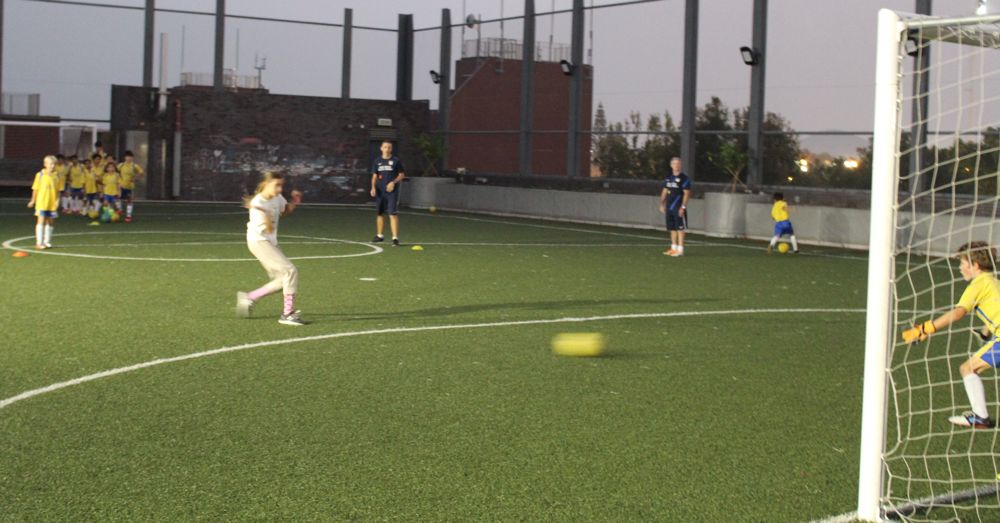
918	218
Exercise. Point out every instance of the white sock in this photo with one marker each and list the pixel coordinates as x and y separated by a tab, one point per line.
795	244
774	241
977	395
47	234
128	210
673	246
380	235
38	234
680	249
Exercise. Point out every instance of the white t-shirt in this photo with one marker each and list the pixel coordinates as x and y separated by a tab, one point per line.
258	207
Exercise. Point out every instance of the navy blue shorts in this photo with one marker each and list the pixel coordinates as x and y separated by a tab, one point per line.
676	222
76	192
126	194
387	202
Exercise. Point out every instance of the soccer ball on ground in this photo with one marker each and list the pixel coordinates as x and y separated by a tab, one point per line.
585	344
783	247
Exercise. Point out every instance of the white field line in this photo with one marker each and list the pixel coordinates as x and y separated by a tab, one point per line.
847	517
234	348
9	244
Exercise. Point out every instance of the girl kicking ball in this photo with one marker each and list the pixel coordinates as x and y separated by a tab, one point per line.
267	206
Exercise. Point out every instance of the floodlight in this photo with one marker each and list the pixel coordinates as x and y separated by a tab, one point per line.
750	57
436	77
566	67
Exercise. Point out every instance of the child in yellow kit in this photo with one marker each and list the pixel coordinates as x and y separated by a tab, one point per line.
129	171
45	200
982	298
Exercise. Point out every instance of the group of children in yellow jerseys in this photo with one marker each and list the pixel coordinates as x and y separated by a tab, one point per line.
97	186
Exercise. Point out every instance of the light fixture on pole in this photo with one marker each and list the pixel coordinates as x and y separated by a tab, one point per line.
436	77
750	57
566	67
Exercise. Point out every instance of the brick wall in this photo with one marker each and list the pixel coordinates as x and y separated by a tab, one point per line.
323	145
488	98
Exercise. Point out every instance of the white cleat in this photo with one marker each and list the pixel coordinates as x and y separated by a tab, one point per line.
244	305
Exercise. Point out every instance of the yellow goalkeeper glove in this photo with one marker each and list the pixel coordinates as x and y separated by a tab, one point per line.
919	332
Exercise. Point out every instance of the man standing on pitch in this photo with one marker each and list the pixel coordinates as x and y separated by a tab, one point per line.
387	174
673	202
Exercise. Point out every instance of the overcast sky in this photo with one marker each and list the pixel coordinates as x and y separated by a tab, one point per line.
820	70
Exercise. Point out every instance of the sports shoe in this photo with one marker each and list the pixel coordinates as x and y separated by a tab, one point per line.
41	247
395	242
971	420
128	219
294	318
677	254
377	239
670	252
244	305
48	245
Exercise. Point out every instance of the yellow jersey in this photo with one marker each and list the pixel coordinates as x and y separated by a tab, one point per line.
110	182
62	171
89	181
76	177
46	188
128	171
982	297
780	211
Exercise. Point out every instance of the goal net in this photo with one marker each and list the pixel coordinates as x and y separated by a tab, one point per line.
935	188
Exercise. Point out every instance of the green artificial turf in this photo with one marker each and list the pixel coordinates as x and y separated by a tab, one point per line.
744	416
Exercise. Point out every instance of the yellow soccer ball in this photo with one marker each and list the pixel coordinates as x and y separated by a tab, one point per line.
432	209
783	247
581	344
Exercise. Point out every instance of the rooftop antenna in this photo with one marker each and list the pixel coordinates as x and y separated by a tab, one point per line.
237	68
500	70
552	26
590	50
183	37
260	63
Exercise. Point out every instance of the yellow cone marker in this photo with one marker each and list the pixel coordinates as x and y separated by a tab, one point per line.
416	248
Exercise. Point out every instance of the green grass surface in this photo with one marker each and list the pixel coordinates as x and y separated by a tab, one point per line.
746	416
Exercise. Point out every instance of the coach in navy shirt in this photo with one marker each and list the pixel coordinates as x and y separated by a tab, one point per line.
673	203
387	174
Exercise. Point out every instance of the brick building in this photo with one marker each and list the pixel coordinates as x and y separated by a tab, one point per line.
487	97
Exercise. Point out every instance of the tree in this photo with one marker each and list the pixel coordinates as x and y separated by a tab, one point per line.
714	116
732	159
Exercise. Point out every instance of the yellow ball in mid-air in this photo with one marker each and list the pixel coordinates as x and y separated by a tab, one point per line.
585	344
783	247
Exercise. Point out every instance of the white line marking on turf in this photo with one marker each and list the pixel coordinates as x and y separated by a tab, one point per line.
368	279
9	244
843	518
500	244
161	361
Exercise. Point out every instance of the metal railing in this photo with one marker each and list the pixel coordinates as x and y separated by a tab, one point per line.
22	104
511	49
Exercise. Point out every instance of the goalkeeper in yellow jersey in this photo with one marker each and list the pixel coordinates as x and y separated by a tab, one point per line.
981	297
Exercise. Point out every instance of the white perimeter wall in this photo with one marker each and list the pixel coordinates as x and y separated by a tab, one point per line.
717	214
